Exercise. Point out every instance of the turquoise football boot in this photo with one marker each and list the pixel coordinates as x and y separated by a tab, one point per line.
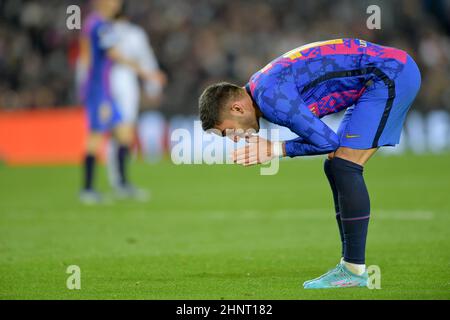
324	275
339	277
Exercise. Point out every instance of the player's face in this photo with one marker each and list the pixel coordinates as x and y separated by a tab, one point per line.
239	120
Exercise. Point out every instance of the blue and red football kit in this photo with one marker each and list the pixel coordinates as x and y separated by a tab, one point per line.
375	84
102	109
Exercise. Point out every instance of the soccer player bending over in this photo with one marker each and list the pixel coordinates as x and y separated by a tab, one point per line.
375	84
98	53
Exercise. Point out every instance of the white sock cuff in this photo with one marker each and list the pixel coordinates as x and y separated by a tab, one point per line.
277	149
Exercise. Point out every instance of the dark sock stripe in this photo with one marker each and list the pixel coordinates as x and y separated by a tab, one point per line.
356	218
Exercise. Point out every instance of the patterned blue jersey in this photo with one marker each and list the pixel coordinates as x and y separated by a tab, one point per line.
101	38
102	110
317	79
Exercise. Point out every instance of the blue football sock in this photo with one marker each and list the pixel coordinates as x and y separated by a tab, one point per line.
89	168
329	174
354	205
122	157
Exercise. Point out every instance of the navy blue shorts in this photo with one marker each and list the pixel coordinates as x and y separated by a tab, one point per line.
103	113
377	118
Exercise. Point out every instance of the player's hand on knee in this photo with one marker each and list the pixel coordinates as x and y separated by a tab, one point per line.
331	155
257	151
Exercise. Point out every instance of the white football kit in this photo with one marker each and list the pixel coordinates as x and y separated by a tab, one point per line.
134	45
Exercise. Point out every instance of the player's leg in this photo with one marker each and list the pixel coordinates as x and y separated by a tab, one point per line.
354	203
124	135
345	173
376	121
88	193
95	110
330	177
346	169
111	162
329	174
92	146
351	161
355	155
125	96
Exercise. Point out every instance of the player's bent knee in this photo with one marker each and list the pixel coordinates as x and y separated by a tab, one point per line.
357	156
125	134
327	167
93	142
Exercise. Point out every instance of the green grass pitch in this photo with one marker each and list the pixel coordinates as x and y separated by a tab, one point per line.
221	232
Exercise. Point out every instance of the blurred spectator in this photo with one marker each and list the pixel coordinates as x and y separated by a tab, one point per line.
201	41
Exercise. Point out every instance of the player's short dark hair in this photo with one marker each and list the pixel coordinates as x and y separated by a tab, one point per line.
123	12
212	101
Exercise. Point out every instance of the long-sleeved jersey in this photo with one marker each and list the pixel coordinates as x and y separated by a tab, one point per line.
317	79
98	37
132	44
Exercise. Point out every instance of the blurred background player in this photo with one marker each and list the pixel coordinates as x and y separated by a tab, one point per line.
98	53
133	44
